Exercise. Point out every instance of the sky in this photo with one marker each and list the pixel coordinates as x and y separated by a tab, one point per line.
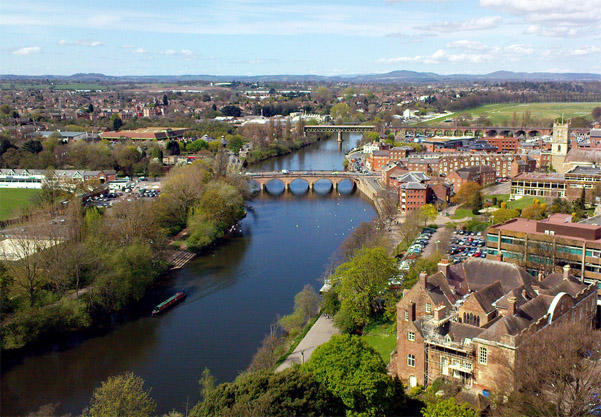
252	37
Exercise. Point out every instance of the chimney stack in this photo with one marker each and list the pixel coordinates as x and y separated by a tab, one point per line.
443	267
440	312
423	278
500	256
566	272
541	276
512	305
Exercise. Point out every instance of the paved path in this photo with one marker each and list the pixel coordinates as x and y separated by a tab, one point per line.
320	333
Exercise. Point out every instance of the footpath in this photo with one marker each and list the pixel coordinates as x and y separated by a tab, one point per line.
320	333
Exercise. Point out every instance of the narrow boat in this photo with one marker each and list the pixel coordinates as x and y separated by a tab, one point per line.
169	302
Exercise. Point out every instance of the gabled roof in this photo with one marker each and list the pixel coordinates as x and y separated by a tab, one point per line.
480	273
488	295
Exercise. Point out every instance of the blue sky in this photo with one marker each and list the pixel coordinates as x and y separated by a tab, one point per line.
244	37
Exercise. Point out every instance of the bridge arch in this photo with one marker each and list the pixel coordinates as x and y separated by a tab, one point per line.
298	181
438	132
448	133
468	132
458	132
491	133
347	184
478	133
520	133
533	133
506	133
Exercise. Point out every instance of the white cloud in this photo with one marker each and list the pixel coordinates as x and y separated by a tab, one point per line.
80	42
469	45
184	52
518	49
552	17
139	51
479	23
585	50
28	50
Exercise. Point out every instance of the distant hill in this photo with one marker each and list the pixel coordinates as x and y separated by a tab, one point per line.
400	76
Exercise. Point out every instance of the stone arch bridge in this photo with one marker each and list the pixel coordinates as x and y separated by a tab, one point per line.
483	131
310	177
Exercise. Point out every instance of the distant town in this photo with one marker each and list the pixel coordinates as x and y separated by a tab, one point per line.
469	279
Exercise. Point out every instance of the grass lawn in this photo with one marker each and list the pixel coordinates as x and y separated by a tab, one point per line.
13	199
502	114
461	213
382	337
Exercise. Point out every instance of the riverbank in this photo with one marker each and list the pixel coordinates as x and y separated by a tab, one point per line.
278	150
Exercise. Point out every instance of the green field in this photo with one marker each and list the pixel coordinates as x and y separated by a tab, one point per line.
382	337
516	204
13	199
502	114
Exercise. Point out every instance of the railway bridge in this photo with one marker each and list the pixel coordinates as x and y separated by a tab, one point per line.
310	177
339	129
480	131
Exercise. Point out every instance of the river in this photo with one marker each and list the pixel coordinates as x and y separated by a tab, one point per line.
235	293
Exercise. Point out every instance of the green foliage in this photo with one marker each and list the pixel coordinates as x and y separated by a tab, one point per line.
292	392
428	212
230	110
355	373
207	383
196	146
121	396
128	272
476	226
504	214
429	265
117	123
448	408
477	202
361	280
32	146
173	147
235	143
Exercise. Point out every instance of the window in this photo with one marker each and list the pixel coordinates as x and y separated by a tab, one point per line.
411	360
411	336
406	315
428	308
483	355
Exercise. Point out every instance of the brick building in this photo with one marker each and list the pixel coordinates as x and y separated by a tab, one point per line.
377	160
417	189
468	321
552	241
522	164
445	164
480	174
504	143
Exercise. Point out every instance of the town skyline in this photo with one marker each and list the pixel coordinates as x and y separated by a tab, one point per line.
326	38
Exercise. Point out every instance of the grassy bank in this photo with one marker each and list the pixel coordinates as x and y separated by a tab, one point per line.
14	199
502	114
382	337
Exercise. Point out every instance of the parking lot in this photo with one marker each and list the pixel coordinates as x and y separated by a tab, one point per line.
134	190
415	251
465	244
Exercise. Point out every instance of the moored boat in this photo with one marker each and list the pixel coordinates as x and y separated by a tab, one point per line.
169	302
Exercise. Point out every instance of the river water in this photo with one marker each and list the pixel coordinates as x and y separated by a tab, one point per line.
234	293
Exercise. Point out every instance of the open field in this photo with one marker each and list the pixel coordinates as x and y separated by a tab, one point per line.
13	199
24	85
502	114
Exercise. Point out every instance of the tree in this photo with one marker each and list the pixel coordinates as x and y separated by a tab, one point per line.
448	408
207	383
466	192
504	214
33	146
322	95
340	111
428	212
355	373
596	113
360	282
536	210
173	148
477	202
235	143
165	100
561	381
230	110
121	396
90	108
292	392
117	123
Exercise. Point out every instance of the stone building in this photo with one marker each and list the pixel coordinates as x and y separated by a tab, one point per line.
480	174
468	321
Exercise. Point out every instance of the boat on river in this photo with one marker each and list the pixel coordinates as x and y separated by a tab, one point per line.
169	302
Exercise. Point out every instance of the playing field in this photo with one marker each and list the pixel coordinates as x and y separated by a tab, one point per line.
503	114
13	199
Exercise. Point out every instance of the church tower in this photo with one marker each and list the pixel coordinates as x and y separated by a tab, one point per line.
559	145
